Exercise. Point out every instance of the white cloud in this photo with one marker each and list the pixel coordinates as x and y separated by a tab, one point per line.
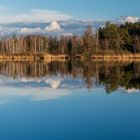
9	94
132	19
68	34
6	30
132	90
128	91
129	19
30	30
53	27
32	15
54	83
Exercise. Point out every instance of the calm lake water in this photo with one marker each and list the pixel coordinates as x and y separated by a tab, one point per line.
70	101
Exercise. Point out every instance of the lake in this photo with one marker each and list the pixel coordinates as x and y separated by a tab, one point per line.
73	100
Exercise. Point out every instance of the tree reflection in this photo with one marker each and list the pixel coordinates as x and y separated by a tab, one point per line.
111	75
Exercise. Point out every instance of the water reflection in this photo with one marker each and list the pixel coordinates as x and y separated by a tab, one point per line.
51	80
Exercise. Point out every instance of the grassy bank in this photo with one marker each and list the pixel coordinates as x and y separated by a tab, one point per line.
33	57
118	56
46	57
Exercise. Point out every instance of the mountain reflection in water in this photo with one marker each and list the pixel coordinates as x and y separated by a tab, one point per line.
45	81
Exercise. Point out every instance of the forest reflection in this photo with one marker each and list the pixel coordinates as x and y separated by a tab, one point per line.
111	75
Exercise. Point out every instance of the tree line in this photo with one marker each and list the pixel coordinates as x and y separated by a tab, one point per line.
110	38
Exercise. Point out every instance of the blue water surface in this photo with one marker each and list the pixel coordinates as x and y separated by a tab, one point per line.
81	114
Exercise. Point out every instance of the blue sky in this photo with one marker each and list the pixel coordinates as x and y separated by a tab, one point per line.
78	9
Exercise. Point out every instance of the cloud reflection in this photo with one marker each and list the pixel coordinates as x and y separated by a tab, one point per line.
44	89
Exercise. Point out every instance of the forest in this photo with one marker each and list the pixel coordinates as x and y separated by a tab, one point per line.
109	39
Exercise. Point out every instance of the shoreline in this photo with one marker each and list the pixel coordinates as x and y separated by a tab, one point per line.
64	57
